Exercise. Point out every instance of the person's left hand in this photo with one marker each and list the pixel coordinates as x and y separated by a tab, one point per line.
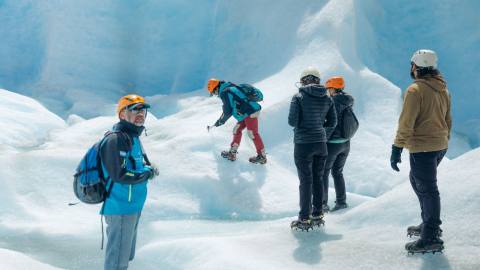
396	157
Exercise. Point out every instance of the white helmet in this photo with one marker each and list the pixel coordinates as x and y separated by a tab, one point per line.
310	71
425	58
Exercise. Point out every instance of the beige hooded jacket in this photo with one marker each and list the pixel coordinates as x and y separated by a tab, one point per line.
425	121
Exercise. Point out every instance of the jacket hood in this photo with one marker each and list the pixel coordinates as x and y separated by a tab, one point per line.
128	128
344	98
315	90
436	83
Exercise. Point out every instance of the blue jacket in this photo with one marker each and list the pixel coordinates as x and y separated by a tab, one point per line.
235	103
123	162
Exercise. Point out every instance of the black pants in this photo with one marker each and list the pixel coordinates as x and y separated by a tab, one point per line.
337	156
423	177
310	161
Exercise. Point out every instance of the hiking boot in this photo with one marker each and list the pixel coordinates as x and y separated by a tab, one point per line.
317	220
425	246
325	208
417	231
230	154
260	159
301	224
339	206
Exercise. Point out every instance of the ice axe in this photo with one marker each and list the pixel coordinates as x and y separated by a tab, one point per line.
209	128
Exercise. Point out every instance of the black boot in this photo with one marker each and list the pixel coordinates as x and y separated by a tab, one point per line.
425	246
339	206
417	231
325	208
301	224
317	220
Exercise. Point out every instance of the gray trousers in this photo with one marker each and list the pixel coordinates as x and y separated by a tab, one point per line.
121	240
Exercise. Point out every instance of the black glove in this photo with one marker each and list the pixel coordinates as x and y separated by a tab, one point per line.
218	123
396	157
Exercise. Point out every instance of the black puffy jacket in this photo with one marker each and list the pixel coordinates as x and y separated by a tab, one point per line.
312	114
342	100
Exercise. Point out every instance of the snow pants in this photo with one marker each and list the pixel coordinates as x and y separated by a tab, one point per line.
337	156
310	161
251	123
121	240
423	178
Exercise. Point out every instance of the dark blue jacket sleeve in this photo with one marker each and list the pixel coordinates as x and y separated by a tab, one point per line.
295	112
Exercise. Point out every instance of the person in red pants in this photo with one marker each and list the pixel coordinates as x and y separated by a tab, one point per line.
237	103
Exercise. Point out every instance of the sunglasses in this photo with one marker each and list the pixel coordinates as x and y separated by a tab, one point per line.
137	109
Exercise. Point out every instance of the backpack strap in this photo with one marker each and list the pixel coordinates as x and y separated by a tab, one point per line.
144	154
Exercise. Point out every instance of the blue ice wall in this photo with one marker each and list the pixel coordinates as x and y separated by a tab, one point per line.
388	32
76	56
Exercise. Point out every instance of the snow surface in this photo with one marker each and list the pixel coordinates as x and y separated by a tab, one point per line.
203	212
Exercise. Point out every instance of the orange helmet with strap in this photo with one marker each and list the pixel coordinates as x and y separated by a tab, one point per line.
335	82
129	100
212	85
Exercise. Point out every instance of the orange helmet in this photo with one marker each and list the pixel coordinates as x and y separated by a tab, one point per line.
212	85
130	100
335	82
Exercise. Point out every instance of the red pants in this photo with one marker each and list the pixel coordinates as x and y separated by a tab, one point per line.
251	123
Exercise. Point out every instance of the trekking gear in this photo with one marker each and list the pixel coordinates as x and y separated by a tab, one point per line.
349	123
425	59
396	157
212	85
339	206
301	224
252	93
129	100
425	246
325	208
89	184
335	82
230	154
310	71
317	220
416	230
259	158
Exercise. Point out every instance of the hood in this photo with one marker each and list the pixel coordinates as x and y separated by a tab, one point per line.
436	83
344	98
315	90
128	128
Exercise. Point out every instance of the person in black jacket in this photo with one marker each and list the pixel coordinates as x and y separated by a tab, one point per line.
313	116
338	147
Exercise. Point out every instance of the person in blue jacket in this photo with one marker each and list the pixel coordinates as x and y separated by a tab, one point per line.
124	164
245	111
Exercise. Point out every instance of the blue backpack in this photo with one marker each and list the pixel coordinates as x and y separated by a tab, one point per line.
89	183
252	93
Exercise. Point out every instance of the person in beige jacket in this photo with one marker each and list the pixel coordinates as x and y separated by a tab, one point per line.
424	129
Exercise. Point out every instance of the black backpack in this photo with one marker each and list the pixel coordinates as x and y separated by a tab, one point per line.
349	123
